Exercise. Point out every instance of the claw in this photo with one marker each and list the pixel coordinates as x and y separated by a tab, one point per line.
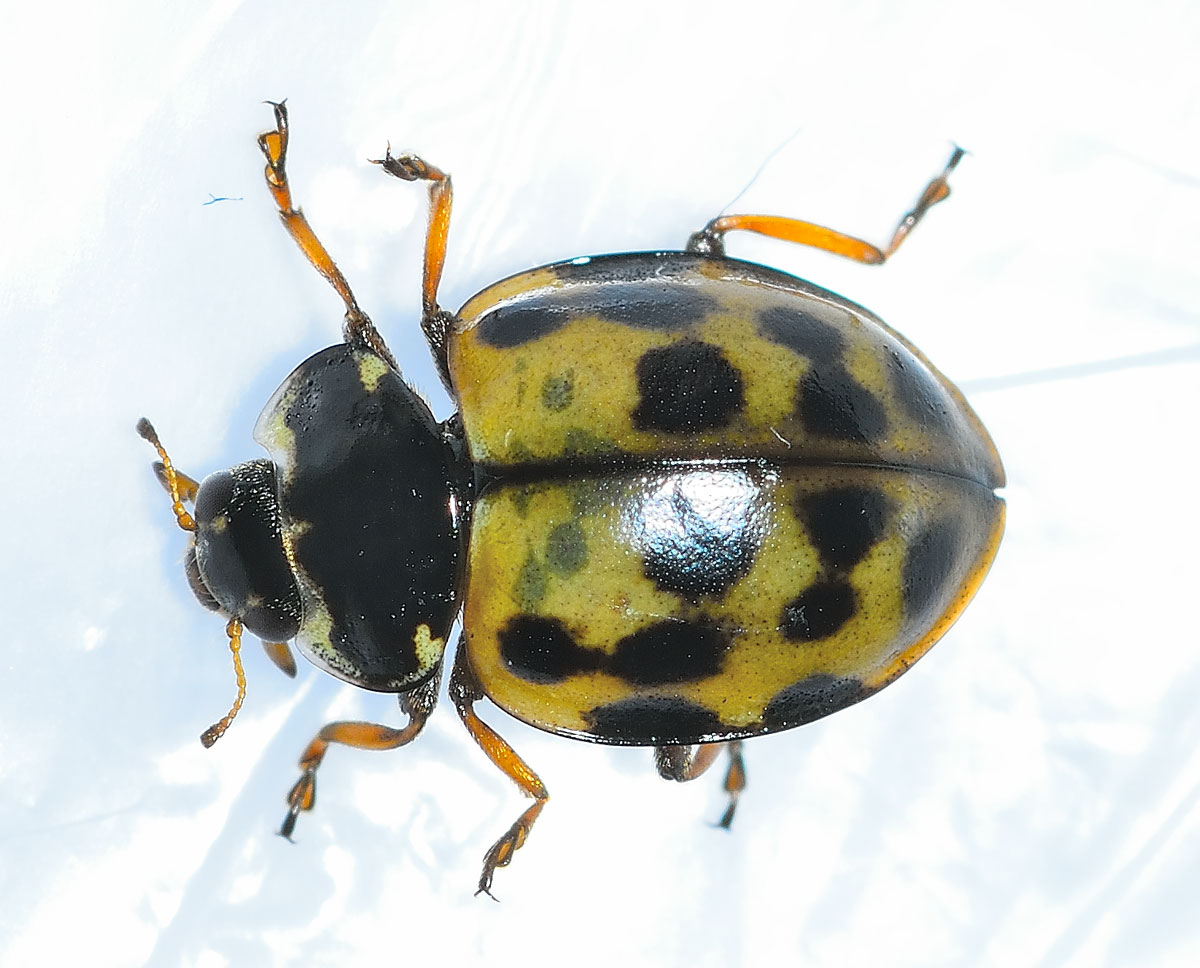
302	796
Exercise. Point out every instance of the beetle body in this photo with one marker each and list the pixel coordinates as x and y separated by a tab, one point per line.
685	500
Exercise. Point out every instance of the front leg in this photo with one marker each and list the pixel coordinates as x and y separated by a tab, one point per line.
358	328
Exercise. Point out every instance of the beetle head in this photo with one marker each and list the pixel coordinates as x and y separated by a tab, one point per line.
236	563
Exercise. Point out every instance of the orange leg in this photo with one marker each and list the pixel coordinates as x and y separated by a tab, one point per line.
683	763
358	328
417	705
411	168
281	656
435	321
735	781
466	691
710	239
185	486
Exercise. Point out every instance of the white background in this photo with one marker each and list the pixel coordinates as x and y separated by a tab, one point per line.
1028	795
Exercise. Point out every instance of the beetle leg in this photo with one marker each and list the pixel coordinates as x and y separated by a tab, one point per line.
685	763
281	656
417	704
435	321
186	486
466	691
710	239
411	168
735	781
358	328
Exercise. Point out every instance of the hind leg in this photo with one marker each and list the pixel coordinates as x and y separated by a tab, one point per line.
683	763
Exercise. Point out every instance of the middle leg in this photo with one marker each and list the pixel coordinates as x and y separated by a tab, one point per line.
435	321
417	704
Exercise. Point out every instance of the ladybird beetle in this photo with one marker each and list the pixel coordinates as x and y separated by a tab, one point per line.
685	500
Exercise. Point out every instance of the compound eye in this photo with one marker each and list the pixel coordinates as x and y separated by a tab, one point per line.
214	500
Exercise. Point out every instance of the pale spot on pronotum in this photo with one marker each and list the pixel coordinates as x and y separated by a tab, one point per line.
316	634
429	649
371	369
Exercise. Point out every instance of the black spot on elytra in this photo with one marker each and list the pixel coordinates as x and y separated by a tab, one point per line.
648	720
686	387
519	452
920	395
665	301
566	548
819	611
802	332
845	522
508	326
521	498
810	699
669	652
581	442
693	551
541	650
928	565
530	586
557	391
649	305
832	404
